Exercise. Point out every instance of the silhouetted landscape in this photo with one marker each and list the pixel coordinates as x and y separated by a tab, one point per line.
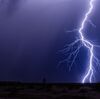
17	90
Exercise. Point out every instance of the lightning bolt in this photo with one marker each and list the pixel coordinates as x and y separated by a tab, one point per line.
72	49
87	44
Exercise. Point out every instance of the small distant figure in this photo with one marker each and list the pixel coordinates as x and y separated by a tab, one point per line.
44	84
44	80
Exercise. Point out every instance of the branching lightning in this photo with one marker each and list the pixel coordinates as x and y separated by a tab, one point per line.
87	44
72	49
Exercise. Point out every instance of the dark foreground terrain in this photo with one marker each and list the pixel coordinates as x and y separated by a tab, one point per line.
12	90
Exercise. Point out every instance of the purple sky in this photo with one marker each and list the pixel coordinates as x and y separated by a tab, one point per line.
31	33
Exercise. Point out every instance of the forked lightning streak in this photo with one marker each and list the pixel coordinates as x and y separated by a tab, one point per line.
72	49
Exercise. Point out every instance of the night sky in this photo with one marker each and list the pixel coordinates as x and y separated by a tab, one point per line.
33	31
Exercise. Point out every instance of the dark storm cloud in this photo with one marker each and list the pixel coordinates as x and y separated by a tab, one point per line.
12	6
8	7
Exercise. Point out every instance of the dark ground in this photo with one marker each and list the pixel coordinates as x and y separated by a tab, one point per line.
14	90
